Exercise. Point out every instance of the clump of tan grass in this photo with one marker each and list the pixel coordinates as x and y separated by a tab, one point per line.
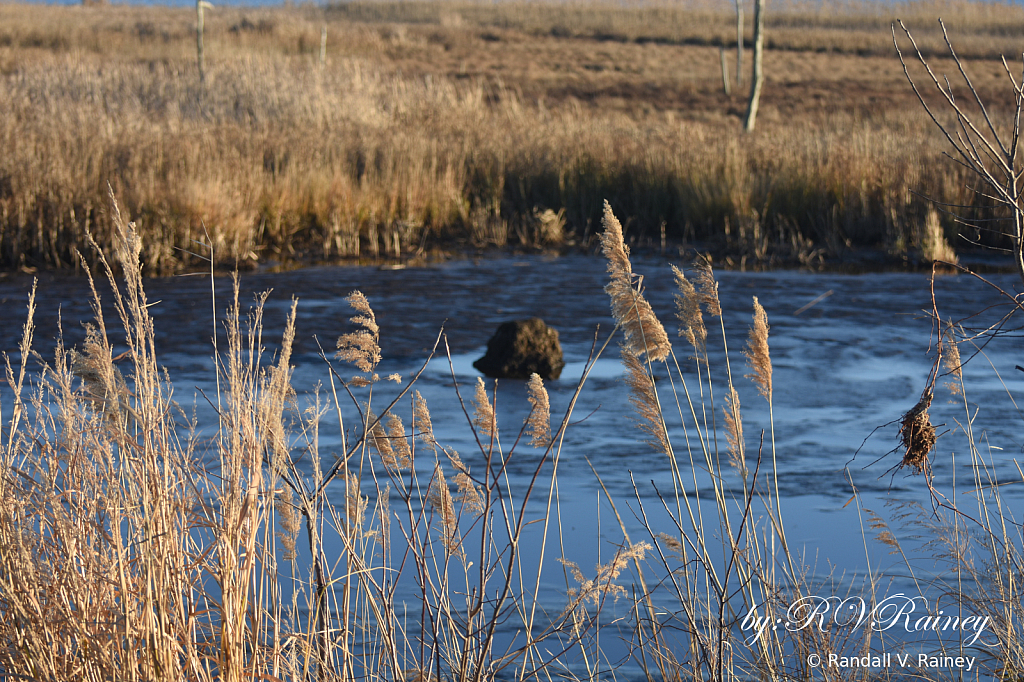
934	246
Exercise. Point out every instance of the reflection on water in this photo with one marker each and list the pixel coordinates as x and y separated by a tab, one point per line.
854	361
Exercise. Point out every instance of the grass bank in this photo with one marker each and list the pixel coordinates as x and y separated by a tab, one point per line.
456	125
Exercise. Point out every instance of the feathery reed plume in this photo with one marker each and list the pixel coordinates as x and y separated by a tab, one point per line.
917	434
382	512
361	347
673	544
691	321
378	439
440	499
645	401
469	495
757	352
602	585
483	411
641	329
104	384
421	423
539	421
707	287
355	501
279	391
291	523
951	360
883	533
734	429
399	443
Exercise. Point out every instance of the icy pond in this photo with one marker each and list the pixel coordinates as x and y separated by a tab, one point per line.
857	359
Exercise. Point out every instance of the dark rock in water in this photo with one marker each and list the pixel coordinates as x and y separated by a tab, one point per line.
520	348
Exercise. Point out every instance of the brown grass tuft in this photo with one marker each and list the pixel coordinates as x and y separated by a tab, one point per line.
917	435
757	352
641	328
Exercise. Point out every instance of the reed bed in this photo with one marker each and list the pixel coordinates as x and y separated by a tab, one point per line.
138	541
450	126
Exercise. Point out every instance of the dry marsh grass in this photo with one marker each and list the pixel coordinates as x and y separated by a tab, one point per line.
466	125
140	541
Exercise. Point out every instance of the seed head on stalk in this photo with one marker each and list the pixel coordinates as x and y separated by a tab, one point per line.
640	327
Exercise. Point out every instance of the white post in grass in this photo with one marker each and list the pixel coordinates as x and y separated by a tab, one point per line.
725	72
323	46
200	6
755	87
739	43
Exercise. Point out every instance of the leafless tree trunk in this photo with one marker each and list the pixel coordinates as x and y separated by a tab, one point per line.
758	79
739	43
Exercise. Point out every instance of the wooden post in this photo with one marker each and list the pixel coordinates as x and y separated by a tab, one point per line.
200	27
725	72
739	43
323	46
755	87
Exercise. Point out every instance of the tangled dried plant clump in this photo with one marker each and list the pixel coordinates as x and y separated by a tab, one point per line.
917	435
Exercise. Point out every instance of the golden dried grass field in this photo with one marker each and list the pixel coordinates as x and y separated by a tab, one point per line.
445	125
